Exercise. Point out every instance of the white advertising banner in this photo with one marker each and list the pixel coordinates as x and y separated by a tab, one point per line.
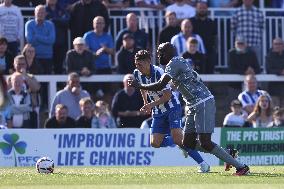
90	147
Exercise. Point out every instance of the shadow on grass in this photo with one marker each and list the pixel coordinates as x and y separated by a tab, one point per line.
266	175
257	175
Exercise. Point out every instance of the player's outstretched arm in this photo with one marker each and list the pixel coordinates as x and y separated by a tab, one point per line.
163	99
158	86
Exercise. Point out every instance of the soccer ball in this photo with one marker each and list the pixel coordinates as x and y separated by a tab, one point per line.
45	165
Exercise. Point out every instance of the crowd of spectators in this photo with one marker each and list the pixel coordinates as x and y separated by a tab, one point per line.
187	26
254	108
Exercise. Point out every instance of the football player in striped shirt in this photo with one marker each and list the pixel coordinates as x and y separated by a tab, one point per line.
166	128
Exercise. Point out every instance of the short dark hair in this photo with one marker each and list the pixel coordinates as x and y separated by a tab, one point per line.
142	55
61	106
3	40
192	40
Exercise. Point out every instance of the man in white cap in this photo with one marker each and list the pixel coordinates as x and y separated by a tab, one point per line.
242	60
79	59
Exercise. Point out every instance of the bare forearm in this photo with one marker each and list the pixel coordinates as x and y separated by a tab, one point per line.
33	84
144	96
163	99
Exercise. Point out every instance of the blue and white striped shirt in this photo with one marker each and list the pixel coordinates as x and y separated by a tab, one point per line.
179	42
156	73
247	98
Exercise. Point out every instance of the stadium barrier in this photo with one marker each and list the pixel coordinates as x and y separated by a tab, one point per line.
89	147
257	146
52	80
130	147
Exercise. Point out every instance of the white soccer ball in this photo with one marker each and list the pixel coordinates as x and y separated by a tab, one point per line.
45	165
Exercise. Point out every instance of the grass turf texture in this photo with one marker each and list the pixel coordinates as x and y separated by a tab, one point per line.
141	177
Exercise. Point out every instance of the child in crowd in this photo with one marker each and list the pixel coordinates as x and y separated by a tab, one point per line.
237	118
102	116
278	118
198	59
87	109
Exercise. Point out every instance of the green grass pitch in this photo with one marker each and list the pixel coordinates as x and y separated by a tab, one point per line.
141	178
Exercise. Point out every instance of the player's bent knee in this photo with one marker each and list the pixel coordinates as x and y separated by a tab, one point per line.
177	136
155	144
156	140
178	141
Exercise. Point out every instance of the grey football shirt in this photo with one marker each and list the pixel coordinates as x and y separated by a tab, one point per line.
187	81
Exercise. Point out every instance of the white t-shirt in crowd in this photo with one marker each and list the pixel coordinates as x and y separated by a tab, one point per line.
182	12
234	120
12	23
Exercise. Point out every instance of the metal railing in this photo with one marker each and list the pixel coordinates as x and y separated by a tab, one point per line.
217	78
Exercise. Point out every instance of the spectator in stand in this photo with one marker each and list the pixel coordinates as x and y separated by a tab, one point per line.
261	114
207	29
241	59
101	44
28	3
126	104
79	59
30	82
171	29
103	117
197	58
167	2
82	14
70	96
60	120
250	95
11	25
182	9
222	3
31	85
32	63
32	67
60	19
237	118
151	24
153	4
66	4
141	38
117	4
87	109
20	102
248	21
5	109
6	58
126	54
275	65
40	33
278	118
179	40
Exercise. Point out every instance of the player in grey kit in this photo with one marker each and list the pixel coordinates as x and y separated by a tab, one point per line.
200	119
